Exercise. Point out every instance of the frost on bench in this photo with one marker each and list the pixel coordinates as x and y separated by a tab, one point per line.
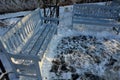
96	11
23	44
94	14
17	37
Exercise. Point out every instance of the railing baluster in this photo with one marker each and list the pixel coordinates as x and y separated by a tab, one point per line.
26	31
16	40
7	45
12	43
21	36
27	28
23	33
28	25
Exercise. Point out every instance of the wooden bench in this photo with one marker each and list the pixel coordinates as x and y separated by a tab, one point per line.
25	43
94	14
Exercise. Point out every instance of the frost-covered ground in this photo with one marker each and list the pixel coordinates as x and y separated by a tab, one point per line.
88	52
87	56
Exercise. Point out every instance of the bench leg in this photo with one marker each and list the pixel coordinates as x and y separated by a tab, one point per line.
13	67
38	71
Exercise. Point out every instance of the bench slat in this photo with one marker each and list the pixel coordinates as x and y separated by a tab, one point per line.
34	39
93	19
18	39
32	76
47	41
26	69
99	11
96	23
21	66
13	42
24	35
7	46
39	42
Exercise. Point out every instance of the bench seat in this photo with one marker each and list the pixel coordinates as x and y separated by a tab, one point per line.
96	21
39	41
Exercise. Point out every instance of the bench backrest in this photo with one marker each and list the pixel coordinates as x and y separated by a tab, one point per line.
96	11
15	38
